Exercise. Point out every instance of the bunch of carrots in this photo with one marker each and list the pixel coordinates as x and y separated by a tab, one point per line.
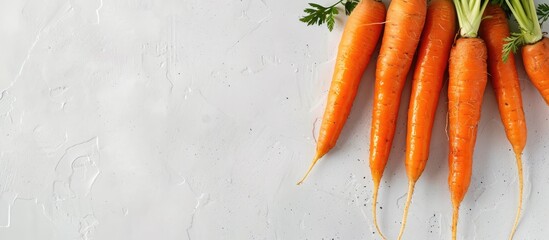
478	45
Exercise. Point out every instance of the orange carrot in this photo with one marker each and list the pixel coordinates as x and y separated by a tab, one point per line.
535	53
405	19
536	63
494	29
468	77
359	40
465	90
436	41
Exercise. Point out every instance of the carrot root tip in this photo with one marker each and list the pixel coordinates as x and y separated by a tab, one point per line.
455	216
374	211
315	159
521	187
411	185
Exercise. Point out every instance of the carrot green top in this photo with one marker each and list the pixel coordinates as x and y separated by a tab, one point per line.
469	13
318	14
530	29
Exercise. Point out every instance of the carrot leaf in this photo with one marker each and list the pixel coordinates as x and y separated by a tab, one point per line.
512	43
317	14
543	12
330	21
350	6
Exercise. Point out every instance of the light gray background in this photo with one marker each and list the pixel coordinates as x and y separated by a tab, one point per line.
192	119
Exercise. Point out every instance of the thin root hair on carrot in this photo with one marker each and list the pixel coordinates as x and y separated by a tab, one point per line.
314	127
376	23
315	160
411	185
374	213
521	187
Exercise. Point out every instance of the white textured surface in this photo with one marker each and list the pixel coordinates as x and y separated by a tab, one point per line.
189	119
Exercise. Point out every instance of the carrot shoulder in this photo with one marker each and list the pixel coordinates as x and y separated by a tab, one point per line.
536	63
359	40
405	19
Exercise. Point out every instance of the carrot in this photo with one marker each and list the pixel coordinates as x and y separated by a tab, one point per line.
405	19
359	40
468	77
494	29
434	50
535	53
465	90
